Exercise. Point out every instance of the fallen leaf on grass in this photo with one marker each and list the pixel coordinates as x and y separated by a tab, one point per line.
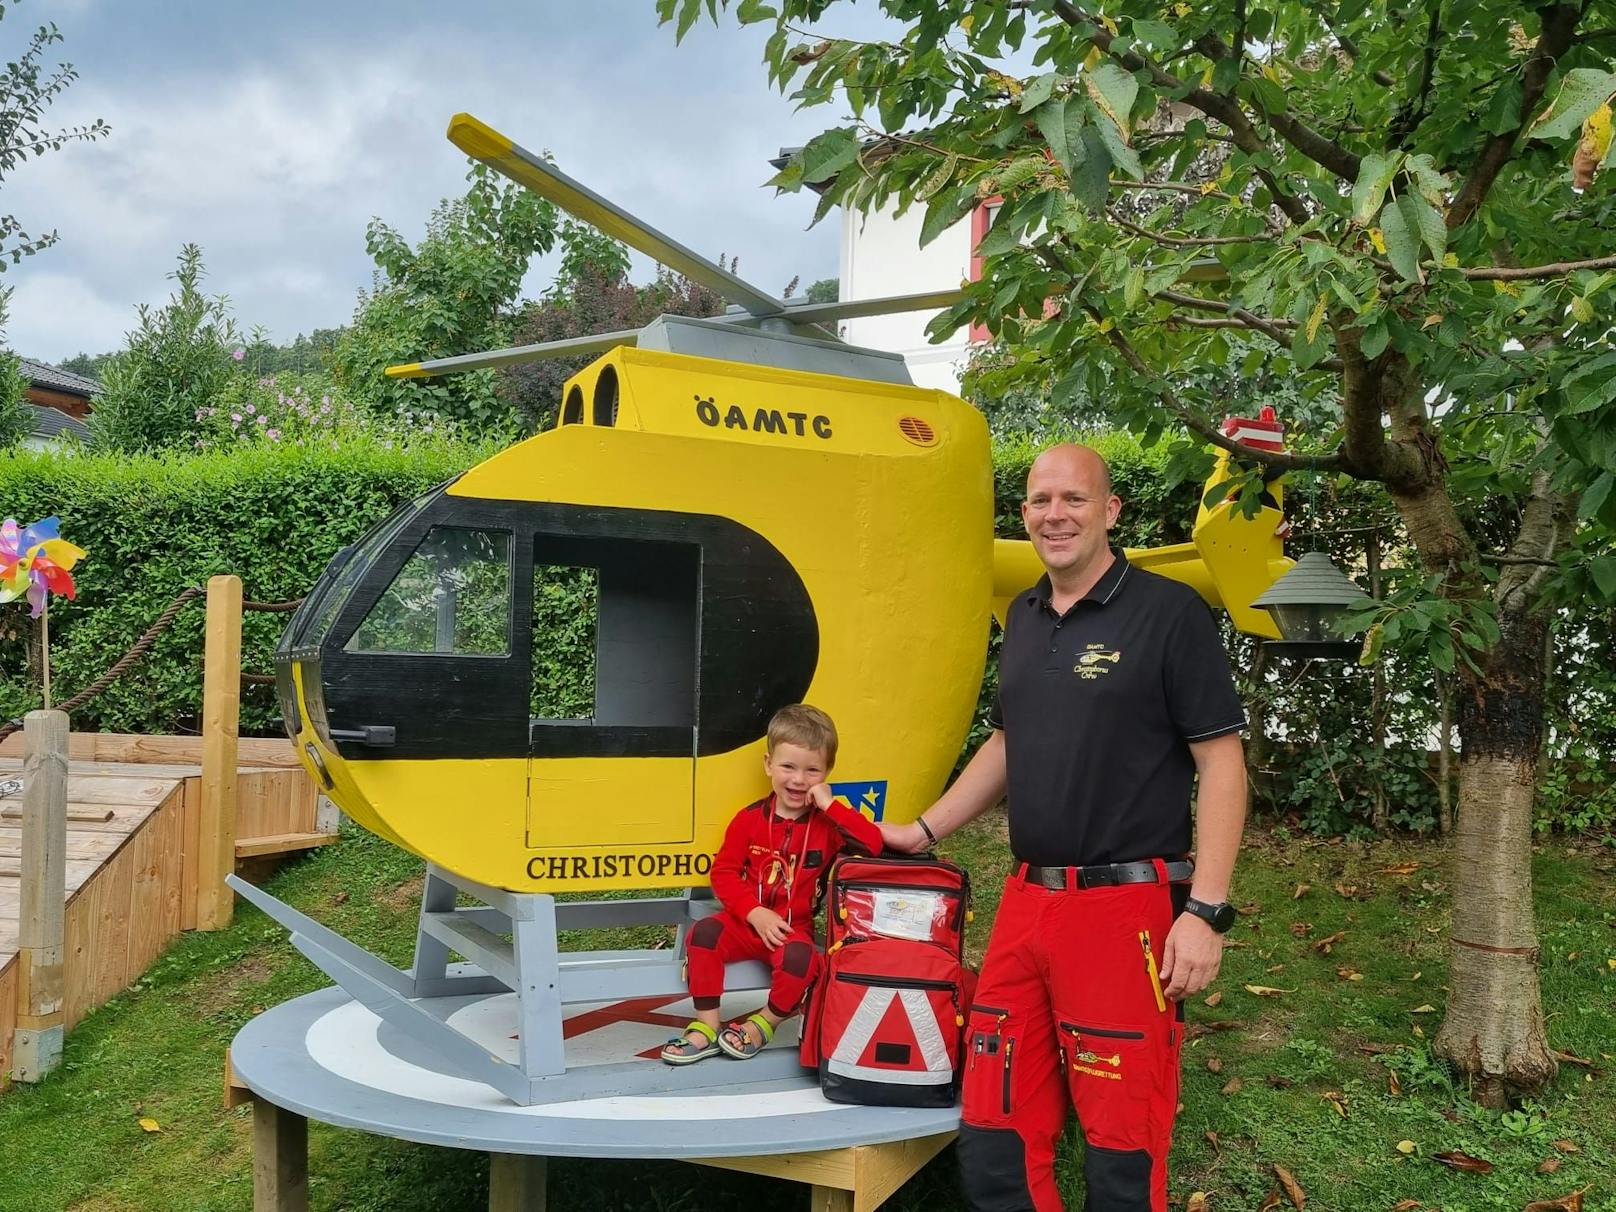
1196	1030
1298	1197
1212	1139
1272	1201
1406	1205
1336	1100
1197	1202
1249	908
1349	974
1566	1203
148	1124
1401	869
341	898
1418	1031
1567	1146
1214	1065
1267	990
1274	968
1425	1009
1373	1049
1347	890
1323	945
1456	1160
1232	1086
1212	999
1301	929
1406	1147
1275	1082
1301	891
1393	1085
1548	1165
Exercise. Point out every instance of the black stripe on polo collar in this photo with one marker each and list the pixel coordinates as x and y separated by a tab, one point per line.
1101	593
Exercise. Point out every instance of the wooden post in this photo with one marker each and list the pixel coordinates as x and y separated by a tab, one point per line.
280	1157
41	934
221	719
516	1182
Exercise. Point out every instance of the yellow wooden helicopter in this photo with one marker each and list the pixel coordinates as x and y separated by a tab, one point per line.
760	514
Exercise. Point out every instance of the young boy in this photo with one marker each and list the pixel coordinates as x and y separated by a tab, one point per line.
768	875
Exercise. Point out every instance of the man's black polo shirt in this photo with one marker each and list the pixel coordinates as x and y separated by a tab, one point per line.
1098	707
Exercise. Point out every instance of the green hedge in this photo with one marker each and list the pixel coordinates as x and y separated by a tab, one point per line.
153	525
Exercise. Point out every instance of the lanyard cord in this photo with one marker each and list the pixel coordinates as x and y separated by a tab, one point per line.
791	872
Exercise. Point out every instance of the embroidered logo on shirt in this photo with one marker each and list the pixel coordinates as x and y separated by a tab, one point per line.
1095	661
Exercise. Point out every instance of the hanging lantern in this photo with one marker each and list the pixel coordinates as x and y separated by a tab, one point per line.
1308	603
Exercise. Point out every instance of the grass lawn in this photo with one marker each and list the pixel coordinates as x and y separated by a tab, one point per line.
1301	1078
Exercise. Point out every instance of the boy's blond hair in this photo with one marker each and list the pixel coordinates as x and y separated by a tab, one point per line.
800	724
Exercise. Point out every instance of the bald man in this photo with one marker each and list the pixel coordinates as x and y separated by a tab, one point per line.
1114	697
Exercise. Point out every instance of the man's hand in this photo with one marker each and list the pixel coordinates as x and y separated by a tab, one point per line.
905	839
820	794
770	926
1190	958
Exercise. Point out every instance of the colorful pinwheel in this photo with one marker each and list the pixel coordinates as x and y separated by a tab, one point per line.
35	561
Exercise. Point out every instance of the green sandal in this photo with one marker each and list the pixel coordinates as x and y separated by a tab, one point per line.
682	1050
735	1041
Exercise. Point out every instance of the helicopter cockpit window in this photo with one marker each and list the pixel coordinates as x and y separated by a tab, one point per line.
452	597
566	613
314	619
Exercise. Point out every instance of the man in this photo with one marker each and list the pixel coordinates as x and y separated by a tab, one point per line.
1114	696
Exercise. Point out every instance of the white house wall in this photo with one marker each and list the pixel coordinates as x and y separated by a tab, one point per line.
881	255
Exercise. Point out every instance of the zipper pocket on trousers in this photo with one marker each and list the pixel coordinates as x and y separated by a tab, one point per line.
1108	1032
1009	1046
1150	971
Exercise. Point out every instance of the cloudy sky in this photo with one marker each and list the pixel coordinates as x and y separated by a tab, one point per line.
270	134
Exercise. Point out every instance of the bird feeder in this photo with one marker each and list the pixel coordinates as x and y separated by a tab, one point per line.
1308	604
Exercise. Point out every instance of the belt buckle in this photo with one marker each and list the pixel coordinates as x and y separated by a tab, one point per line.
1103	876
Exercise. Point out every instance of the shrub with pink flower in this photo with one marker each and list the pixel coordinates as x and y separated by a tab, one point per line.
304	409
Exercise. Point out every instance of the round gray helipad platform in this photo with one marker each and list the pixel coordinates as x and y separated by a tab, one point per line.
326	1057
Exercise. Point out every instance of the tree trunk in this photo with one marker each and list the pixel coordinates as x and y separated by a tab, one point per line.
1444	755
1494	1032
1378	813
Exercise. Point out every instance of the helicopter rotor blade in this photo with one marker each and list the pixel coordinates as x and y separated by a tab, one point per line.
483	142
889	305
515	355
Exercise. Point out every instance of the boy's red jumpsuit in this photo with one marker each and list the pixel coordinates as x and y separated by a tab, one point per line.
780	864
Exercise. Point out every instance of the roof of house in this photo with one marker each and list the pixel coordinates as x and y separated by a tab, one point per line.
52	422
42	374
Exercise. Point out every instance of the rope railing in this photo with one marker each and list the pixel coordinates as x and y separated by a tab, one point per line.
149	637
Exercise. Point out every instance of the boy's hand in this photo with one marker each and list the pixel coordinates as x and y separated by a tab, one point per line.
906	839
770	926
821	795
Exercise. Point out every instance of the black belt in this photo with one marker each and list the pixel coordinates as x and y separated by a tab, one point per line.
1106	875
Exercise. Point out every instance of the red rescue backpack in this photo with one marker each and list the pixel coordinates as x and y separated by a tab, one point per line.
885	1022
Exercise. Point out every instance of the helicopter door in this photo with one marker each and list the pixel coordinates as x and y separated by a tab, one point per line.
612	730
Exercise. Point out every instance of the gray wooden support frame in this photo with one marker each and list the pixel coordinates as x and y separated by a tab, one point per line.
530	964
280	1159
516	1182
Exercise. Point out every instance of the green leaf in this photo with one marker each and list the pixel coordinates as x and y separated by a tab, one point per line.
1113	91
1375	173
1051	122
1420	217
1225	75
1402	243
1001	238
749	12
1583	90
1091	180
1121	155
940	176
1156	33
1603	571
1504	111
1019	173
1038	91
828	153
1133	288
1592	501
1374	341
945	210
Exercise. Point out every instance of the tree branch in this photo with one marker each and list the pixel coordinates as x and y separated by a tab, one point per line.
1510	273
1184	241
1262	324
1203	428
1559	26
1349	47
1412	114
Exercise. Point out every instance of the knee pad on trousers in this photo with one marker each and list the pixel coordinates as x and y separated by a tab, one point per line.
796	958
707	932
1118	1179
993	1170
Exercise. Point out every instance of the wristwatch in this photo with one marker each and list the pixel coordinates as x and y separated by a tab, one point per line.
1219	916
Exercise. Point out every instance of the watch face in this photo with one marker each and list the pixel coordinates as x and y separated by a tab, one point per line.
1223	917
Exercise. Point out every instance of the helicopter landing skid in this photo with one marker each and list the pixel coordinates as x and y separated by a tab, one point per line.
422	1001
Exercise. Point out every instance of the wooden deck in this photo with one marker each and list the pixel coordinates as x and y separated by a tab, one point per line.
134	810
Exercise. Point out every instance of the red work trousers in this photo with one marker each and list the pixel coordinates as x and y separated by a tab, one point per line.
722	939
1068	1012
